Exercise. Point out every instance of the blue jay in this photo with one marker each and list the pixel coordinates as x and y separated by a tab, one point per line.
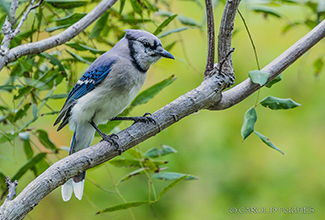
107	87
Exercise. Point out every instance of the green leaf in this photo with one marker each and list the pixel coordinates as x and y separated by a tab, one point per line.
149	93
170	46
172	185
35	110
77	57
188	21
133	173
53	60
172	176
258	76
51	29
82	47
99	25
136	7
69	20
23	91
8	88
45	140
124	162
21	112
278	103
3	180
122	206
249	123
268	142
122	3
175	30
67	4
28	165
265	10
5	7
28	149
164	24
59	96
318	65
277	79
155	152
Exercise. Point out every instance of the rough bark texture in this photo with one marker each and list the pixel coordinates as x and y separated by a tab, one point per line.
206	96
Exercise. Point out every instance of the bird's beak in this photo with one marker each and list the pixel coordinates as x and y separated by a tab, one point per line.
164	53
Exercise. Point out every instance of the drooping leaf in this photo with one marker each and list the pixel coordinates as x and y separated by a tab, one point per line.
28	165
175	30
82	47
21	112
2	180
59	96
258	76
149	93
35	110
53	60
133	173
275	103
99	25
164	24
23	91
77	57
318	65
67	4
277	79
188	21
9	88
5	7
172	176
249	123
122	3
268	142
125	162
51	29
45	140
155	152
172	185
122	206
265	10
136	7
70	19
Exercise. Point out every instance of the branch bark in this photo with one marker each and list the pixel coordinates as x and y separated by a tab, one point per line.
206	96
43	45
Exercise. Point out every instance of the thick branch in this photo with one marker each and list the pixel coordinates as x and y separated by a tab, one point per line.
277	66
68	34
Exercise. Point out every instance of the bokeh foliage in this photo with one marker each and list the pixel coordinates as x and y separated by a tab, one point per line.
33	89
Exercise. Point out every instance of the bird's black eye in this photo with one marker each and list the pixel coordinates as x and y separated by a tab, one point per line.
146	44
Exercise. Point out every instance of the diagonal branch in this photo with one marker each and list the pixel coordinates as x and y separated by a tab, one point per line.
68	34
202	97
277	66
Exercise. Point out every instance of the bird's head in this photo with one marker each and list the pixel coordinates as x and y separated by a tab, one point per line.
145	48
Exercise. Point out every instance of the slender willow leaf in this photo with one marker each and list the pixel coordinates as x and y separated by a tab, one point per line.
30	164
133	173
122	206
82	47
277	103
268	142
265	10
51	29
5	7
172	185
172	31
249	123
67	4
172	176
21	112
99	25
188	21
122	3
69	20
136	7
155	152
258	76
53	60
45	140
149	93
164	24
77	57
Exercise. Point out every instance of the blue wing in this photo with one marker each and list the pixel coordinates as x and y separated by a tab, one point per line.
90	79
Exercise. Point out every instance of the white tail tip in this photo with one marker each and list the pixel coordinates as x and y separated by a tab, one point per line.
66	190
78	189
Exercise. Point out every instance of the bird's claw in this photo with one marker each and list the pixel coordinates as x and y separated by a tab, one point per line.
112	139
146	118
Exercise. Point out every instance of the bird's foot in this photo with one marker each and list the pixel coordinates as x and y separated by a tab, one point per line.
146	118
112	139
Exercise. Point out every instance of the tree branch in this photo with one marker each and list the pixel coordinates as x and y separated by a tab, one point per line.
277	66
211	37
68	34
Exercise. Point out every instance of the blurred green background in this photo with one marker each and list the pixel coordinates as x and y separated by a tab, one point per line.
231	172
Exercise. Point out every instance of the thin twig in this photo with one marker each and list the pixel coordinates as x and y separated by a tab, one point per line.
211	37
